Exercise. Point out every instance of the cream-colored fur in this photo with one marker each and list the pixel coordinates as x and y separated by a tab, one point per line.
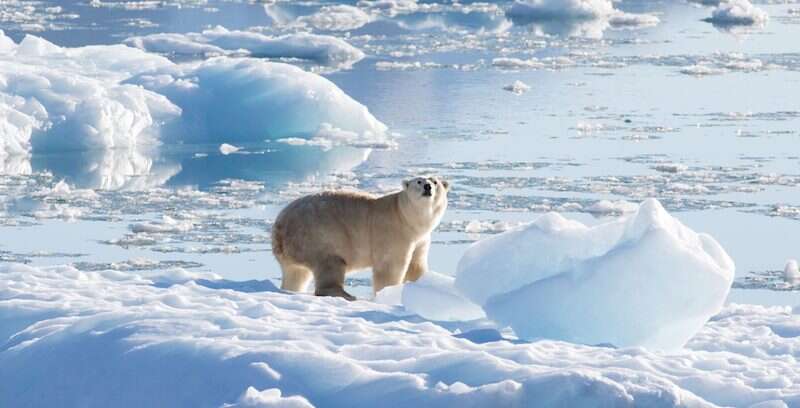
326	235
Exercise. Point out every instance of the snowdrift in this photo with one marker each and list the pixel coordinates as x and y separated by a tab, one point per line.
111	338
116	97
642	280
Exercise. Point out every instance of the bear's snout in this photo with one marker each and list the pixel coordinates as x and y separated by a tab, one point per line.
427	187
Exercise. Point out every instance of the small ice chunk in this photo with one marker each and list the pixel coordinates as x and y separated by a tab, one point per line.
227	149
271	398
433	297
517	88
791	273
640	280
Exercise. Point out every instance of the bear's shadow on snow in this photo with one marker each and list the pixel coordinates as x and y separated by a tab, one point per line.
249	286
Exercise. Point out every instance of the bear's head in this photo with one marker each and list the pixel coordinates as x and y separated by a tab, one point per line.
428	196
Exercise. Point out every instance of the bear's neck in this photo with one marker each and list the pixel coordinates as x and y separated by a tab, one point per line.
410	214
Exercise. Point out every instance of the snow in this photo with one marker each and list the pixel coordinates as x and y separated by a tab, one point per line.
116	97
271	398
641	280
517	87
322	49
111	338
738	12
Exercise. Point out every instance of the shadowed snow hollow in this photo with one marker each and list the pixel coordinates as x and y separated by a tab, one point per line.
642	280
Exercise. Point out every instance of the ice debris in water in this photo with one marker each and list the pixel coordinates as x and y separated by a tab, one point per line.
790	272
640	280
737	12
517	88
227	149
322	49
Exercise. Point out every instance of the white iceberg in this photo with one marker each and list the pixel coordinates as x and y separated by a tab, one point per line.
116	97
322	49
640	280
576	17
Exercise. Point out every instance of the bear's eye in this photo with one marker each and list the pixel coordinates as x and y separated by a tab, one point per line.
419	182
434	182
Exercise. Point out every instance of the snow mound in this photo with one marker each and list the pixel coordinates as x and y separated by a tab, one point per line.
322	49
117	97
640	280
110	338
737	12
433	297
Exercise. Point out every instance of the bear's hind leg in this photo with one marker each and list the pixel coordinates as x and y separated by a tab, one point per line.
329	277
295	277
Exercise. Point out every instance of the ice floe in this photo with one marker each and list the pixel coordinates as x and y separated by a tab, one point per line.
321	49
340	17
641	280
737	12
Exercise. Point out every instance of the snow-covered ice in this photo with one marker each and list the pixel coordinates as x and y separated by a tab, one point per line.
640	280
109	338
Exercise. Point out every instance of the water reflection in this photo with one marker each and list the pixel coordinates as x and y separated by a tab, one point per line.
178	165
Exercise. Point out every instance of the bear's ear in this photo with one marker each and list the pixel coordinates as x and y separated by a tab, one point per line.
406	183
446	184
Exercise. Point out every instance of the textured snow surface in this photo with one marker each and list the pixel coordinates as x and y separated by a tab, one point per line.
116	97
642	280
110	338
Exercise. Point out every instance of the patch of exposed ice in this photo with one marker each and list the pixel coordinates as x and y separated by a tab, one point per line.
433	297
672	278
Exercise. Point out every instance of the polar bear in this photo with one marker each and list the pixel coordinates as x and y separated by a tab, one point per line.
329	234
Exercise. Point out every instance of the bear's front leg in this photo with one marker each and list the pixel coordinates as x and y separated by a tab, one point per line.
419	261
390	270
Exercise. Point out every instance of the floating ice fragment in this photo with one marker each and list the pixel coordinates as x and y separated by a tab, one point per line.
640	280
227	149
791	273
737	12
517	88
